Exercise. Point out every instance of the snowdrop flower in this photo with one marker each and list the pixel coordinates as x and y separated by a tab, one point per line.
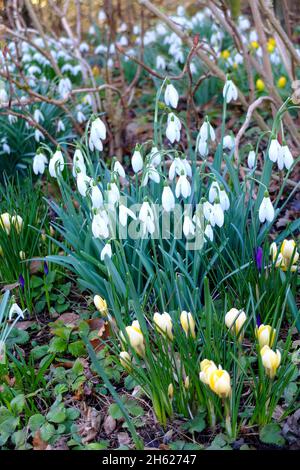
83	182
15	310
78	163
266	209
224	199
251	159
60	126
188	226
146	217
287	157
176	168
5	147
96	195
214	191
118	168
97	134
38	135
208	212
137	161
3	96
113	193
207	132
106	251
171	96
124	212
187	167
160	62
202	148
155	155
228	142
56	163
64	88
230	91
173	128
274	150
84	47
100	225
101	15
39	162
183	187
12	119
38	116
209	232
152	174
218	214
80	117
168	199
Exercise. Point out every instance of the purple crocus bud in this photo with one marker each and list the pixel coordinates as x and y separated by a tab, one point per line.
46	269
258	320
259	257
22	281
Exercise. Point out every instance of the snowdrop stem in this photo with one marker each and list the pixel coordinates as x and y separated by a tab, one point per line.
159	91
257	181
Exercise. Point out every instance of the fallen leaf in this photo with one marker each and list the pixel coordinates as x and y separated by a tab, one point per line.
37	442
69	318
24	325
36	266
109	424
89	424
123	439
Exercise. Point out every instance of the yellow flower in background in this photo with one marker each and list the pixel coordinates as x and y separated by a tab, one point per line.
188	323
187	383
163	323
207	367
282	81
136	338
22	255
265	335
234	320
254	44
219	382
125	360
96	71
260	85
17	222
288	256
101	305
170	391
5	221
271	44
272	41
271	360
1	251
225	54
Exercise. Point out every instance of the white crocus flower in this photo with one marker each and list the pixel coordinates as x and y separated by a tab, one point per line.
39	162
100	225
137	161
65	88
251	159
124	212
56	164
266	209
78	163
106	251
83	182
274	150
15	310
97	134
209	232
288	159
118	168
230	91
207	132
113	193
188	226
183	187
171	96
168	199
96	195
228	142
173	128
146	217
218	214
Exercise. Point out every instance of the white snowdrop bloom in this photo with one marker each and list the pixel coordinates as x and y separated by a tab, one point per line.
39	162
96	195
173	130
3	96
124	213
67	68
146	217
78	163
106	251
113	193
251	159
123	41
171	96
266	210
56	164
83	182
80	117
100	225
183	187
137	161
6	148
209	232
228	142
38	135
34	70
152	174
84	47
160	63
274	150
287	157
97	134
15	310
64	88
118	168
38	116
168	199
214	192
176	168
280	161
155	156
88	100
187	167
224	199
230	91
12	119
207	132
92	30
218	214
60	126
101	15
208	212
203	147
188	226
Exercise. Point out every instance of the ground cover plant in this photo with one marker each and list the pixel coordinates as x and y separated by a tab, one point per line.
149	228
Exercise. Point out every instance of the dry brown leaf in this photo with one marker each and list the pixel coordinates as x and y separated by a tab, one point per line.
123	439
37	442
109	424
89	425
36	266
24	325
69	318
